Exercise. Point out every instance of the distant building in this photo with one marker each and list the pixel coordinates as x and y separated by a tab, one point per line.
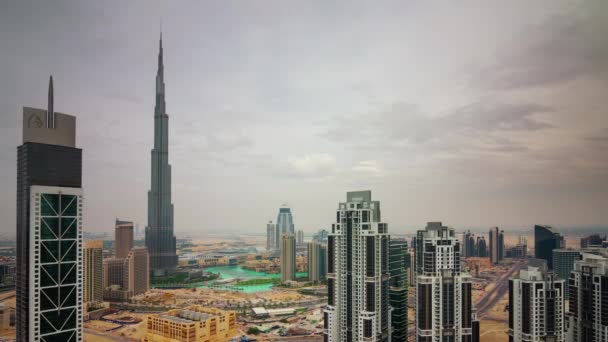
321	236
411	267
443	290
546	239
398	264
482	248
284	225
519	251
497	245
357	273
93	271
270	236
288	258
123	238
594	240
588	309
49	215
193	323
300	238
316	259
536	306
128	277
469	245
113	272
136	277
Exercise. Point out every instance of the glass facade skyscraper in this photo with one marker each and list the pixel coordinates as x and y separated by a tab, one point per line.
546	239
49	275
160	238
284	224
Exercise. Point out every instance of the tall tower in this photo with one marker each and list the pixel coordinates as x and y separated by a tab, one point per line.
284	224
270	236
398	260
123	238
497	245
357	271
536	306
588	294
160	238
93	271
288	257
49	227
316	257
443	291
546	239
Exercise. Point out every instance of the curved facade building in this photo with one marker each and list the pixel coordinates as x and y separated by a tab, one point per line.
546	239
284	225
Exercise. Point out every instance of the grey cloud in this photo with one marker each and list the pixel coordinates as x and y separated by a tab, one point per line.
563	48
476	126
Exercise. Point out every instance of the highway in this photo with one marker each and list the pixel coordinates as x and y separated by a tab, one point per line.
492	297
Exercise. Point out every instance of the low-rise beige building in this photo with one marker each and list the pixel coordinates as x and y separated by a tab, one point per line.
191	324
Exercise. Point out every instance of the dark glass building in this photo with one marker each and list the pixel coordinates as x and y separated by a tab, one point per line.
546	239
49	228
398	259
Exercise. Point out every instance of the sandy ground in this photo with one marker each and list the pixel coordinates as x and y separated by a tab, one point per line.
493	331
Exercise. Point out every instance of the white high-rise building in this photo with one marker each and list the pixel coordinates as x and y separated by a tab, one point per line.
588	307
443	291
536	306
358	276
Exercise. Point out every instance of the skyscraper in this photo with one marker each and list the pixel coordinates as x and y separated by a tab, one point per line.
397	265
594	240
270	236
160	238
123	238
288	257
546	239
316	259
49	227
588	309
536	306
284	224
482	247
93	271
469	244
136	277
443	291
357	271
497	245
563	264
300	238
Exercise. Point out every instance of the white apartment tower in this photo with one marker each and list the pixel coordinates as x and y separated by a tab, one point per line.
443	291
358	276
588	300
536	306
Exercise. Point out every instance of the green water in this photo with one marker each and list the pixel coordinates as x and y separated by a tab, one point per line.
232	272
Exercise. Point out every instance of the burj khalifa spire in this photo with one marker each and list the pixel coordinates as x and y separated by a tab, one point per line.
160	238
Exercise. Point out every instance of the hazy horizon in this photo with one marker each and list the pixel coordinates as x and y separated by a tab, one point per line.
477	113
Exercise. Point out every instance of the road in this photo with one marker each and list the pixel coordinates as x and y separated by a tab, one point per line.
492	297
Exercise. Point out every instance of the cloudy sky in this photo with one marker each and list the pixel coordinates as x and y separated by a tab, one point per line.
476	113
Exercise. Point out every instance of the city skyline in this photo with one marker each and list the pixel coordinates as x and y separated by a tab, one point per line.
468	124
